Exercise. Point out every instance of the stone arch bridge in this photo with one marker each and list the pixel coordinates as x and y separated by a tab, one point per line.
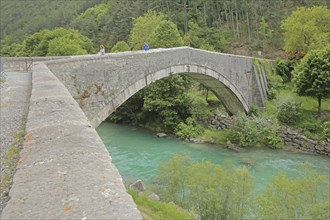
65	171
100	84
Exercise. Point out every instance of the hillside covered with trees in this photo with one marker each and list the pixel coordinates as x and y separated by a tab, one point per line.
235	26
283	29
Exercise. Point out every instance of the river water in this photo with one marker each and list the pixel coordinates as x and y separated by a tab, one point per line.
138	153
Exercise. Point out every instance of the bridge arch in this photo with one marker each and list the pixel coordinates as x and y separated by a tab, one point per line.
222	87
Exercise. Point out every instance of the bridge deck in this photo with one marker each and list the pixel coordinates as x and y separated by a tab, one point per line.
64	172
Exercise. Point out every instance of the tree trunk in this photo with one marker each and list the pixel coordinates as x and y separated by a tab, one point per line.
248	24
185	16
168	11
207	94
237	25
205	15
319	99
233	23
225	7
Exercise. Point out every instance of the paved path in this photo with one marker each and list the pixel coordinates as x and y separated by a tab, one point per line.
14	103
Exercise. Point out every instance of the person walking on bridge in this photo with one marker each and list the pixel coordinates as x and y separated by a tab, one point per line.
146	47
102	50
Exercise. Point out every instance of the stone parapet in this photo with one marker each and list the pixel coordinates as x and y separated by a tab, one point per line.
65	171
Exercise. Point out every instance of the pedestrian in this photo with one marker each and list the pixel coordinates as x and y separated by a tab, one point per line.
146	47
102	50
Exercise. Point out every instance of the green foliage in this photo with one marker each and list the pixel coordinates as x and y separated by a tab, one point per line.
309	121
22	18
9	159
254	111
158	210
166	102
326	129
143	28
120	46
307	29
215	192
9	49
166	35
274	81
265	34
131	111
289	111
173	179
206	38
254	131
90	22
306	197
209	190
57	42
215	136
284	68
312	75
117	22
188	129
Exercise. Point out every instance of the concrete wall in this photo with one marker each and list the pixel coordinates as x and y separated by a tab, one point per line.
100	84
65	171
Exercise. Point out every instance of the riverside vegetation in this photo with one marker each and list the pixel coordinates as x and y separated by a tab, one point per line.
177	105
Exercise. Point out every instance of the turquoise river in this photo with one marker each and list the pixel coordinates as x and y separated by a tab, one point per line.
138	153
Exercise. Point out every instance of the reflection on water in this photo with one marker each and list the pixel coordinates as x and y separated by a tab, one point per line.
137	153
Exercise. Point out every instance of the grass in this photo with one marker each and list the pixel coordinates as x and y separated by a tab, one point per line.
309	122
216	136
10	159
152	209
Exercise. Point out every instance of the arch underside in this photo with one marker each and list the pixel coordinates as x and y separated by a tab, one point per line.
226	92
221	91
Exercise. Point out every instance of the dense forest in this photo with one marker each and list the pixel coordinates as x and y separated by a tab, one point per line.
235	26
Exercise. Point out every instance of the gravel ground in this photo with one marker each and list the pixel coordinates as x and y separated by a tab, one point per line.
14	104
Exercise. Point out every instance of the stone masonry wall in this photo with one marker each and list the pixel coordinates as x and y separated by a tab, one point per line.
290	136
102	83
64	171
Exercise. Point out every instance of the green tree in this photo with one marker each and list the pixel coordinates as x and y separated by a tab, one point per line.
265	33
312	75
254	131
173	179
284	69
166	35
289	111
305	197
307	29
89	23
120	46
59	41
165	102
205	190
67	45
143	27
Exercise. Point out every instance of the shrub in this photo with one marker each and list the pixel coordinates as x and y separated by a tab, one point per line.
254	131
284	68
326	129
289	111
254	111
189	129
120	46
